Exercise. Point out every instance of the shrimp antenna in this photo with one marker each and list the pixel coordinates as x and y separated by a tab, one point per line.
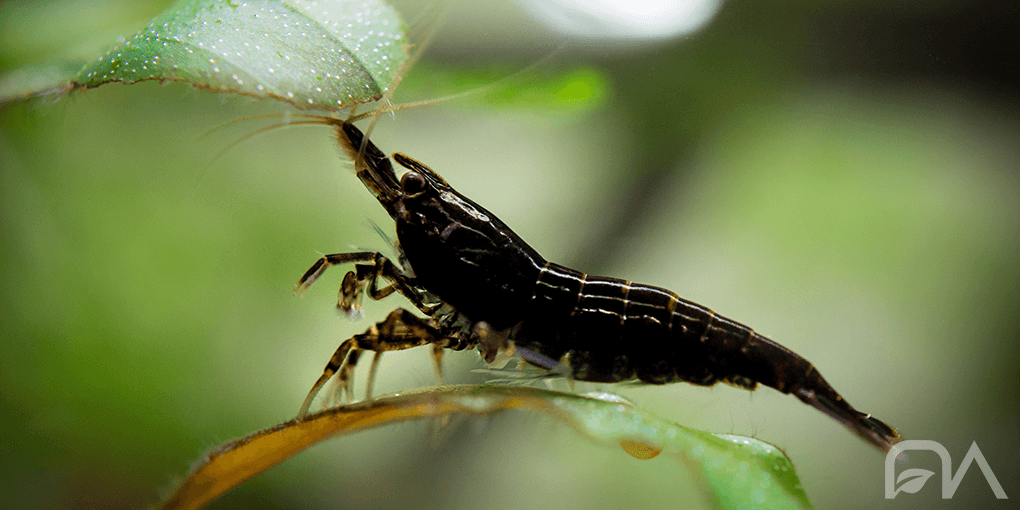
314	120
426	37
385	105
390	108
285	115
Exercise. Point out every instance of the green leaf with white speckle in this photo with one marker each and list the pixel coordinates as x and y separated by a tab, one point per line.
740	472
325	54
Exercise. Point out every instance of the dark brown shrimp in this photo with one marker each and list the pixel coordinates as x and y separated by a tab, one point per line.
479	284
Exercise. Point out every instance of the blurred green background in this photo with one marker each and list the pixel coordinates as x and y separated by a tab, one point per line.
841	175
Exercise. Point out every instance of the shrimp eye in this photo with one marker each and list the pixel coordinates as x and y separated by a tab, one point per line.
412	183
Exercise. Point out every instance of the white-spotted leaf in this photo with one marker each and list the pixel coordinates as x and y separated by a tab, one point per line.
325	54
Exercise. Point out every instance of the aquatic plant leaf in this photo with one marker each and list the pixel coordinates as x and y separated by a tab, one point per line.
739	472
324	54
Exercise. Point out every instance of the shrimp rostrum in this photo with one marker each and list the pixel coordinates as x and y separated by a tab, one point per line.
480	285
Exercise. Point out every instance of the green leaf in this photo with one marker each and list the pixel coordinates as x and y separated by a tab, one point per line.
504	86
326	54
740	472
51	77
